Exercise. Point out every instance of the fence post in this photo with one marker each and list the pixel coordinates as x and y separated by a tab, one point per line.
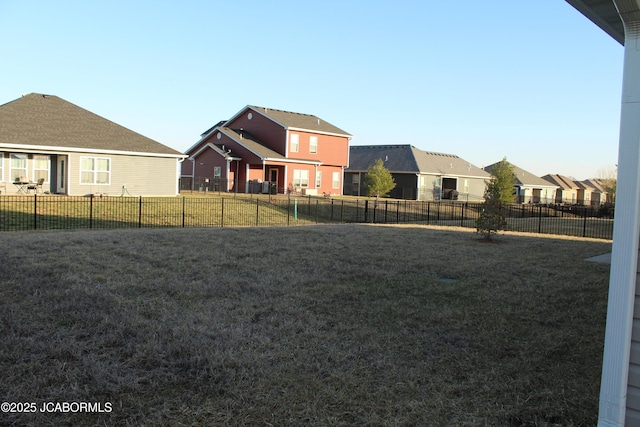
584	226
35	211
317	210
222	212
289	210
140	214
539	218
342	211
91	210
183	205
366	211
428	211
462	216
386	209
257	210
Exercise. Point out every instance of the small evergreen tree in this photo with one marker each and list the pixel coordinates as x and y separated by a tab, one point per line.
492	218
497	194
505	180
378	180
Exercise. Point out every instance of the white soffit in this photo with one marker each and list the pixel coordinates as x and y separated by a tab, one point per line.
604	14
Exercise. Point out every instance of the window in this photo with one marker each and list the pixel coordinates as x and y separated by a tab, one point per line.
41	166
355	184
318	179
300	178
18	167
466	185
313	144
217	171
335	182
95	170
295	142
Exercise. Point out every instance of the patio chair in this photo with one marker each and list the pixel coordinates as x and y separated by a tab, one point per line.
37	187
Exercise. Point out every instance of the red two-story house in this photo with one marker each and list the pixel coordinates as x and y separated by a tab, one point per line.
266	150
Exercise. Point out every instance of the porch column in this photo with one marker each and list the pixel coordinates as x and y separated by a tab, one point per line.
624	257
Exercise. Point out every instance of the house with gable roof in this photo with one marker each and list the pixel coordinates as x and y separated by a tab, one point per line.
419	175
592	192
567	191
72	151
265	150
589	192
530	188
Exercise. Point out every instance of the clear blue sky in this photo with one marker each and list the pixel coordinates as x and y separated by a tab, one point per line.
533	81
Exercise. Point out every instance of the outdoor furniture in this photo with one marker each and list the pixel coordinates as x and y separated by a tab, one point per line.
35	186
21	184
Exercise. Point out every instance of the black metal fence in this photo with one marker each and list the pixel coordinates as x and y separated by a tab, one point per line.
44	212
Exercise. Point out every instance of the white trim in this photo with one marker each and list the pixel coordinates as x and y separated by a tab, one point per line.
257	110
214	148
624	256
302	162
43	149
94	170
319	132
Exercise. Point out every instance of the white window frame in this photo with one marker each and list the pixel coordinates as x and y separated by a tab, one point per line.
12	168
335	180
313	144
1	167
300	178
294	146
319	179
47	169
95	171
217	172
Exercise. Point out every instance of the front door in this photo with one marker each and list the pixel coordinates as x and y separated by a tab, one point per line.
61	178
273	179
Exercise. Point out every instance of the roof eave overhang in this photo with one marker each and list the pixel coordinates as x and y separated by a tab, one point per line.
214	148
298	161
43	149
319	132
602	13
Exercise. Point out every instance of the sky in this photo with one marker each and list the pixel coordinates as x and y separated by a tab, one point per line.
535	82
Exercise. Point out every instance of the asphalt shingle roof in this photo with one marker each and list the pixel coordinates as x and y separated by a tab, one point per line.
524	178
299	121
50	121
404	158
249	141
565	183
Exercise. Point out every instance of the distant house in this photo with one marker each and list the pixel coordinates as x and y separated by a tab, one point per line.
265	150
419	175
76	152
530	188
592	192
587	192
567	191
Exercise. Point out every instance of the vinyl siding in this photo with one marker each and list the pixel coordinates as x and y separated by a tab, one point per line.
142	176
266	131
633	382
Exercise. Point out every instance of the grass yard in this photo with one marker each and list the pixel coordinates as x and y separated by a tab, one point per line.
334	325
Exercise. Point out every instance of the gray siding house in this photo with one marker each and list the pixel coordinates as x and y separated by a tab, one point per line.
419	175
76	152
530	188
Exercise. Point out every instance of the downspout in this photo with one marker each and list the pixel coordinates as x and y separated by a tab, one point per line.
179	174
624	255
193	173
228	173
236	175
246	179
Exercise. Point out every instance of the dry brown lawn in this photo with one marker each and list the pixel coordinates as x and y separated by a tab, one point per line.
321	325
